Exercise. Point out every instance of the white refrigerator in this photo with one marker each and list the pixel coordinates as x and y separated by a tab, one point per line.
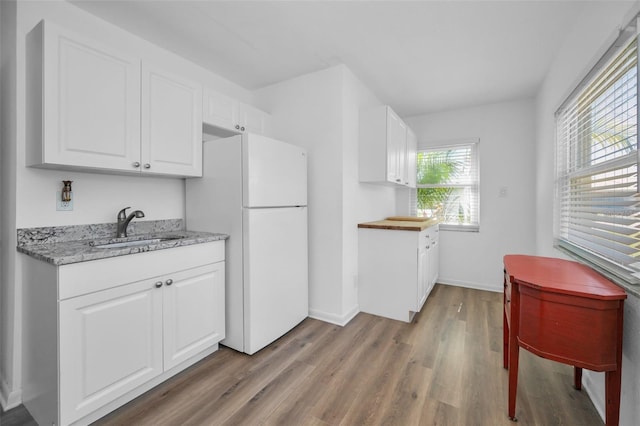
254	188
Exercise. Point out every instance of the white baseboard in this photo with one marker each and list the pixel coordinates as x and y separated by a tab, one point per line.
468	284
9	399
340	320
594	396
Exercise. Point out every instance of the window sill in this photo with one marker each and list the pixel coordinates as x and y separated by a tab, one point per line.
631	288
459	228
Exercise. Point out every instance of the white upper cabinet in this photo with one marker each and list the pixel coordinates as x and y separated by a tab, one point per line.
229	116
386	152
85	109
395	144
91	107
219	110
410	159
171	124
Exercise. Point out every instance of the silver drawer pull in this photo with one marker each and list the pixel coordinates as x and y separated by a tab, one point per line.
158	284
169	281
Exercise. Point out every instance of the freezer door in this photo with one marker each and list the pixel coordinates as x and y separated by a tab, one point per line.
275	173
276	292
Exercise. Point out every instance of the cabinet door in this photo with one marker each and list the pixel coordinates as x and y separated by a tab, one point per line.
88	103
392	148
110	343
219	110
171	124
193	312
434	257
423	271
410	159
252	119
402	173
396	140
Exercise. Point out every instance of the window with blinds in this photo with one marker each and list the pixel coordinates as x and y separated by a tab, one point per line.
597	200
447	185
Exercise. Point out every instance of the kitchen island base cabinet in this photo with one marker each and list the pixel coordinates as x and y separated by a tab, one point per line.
397	270
120	341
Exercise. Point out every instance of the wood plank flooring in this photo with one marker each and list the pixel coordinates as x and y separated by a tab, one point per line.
445	368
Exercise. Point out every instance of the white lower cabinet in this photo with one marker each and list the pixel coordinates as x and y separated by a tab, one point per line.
190	323
397	270
118	338
110	343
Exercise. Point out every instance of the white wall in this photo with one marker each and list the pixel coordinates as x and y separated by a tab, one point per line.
362	202
307	111
594	30
97	197
9	350
507	225
318	111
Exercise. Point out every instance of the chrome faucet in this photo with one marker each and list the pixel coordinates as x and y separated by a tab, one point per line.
123	220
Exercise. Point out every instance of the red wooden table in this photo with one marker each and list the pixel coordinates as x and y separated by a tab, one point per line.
566	312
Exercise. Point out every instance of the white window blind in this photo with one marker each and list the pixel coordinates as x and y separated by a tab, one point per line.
597	201
447	185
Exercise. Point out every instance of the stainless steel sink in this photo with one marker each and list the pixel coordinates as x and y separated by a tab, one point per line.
134	243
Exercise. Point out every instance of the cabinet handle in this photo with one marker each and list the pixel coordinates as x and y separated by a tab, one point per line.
169	281
158	284
242	128
237	127
397	180
136	165
147	165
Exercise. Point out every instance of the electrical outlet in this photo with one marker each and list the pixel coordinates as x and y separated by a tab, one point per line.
63	206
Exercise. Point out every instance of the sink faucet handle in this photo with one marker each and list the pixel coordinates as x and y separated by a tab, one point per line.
122	214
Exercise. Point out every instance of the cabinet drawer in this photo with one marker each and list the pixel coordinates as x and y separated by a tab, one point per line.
87	277
424	239
507	296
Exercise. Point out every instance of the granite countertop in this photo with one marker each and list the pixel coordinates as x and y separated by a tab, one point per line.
401	223
72	244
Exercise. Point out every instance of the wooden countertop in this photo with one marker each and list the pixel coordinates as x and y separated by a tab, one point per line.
401	223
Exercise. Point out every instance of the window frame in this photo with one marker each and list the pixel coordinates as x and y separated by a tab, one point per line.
474	185
585	167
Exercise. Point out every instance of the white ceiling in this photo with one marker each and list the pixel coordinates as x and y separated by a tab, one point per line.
417	56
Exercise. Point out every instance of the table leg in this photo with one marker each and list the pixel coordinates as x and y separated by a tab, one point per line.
577	378
514	352
505	339
613	380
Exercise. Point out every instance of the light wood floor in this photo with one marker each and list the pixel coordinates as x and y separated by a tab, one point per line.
445	368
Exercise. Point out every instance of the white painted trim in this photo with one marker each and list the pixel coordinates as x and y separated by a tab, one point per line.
9	399
468	284
340	320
